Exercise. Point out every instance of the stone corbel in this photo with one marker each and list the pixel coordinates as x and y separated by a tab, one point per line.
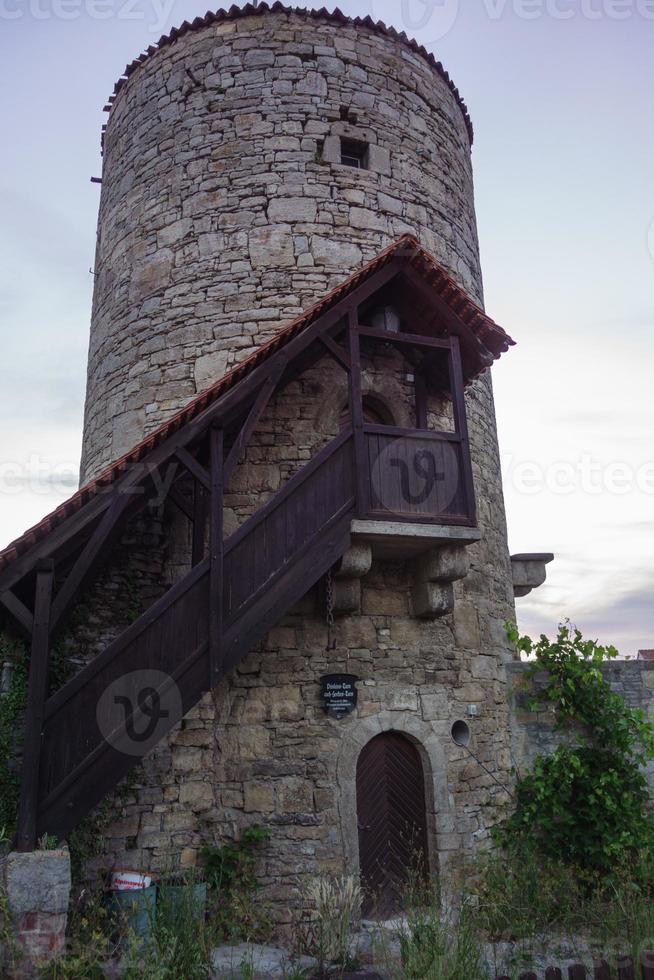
529	571
432	577
355	563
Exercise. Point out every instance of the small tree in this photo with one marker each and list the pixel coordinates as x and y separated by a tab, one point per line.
588	802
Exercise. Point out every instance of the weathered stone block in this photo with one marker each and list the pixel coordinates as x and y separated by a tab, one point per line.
37	881
430	600
258	798
379	159
37	885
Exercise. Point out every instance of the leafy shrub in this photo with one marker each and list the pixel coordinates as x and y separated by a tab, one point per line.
231	873
587	803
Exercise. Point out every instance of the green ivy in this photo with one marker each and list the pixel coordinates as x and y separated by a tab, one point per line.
12	705
588	802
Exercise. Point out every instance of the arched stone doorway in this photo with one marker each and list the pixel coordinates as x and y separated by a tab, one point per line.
392	821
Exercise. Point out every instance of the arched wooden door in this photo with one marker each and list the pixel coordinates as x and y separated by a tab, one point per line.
392	821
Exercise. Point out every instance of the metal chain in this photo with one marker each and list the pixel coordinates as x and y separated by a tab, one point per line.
329	597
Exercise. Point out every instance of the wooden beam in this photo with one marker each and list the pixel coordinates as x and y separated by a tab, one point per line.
191	464
36	695
336	350
420	388
461	424
356	413
199	523
261	401
181	503
21	614
87	560
395	430
403	339
216	549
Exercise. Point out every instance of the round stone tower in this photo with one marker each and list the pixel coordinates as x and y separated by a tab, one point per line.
253	160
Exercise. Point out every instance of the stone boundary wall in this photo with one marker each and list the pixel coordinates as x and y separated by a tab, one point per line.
532	733
37	888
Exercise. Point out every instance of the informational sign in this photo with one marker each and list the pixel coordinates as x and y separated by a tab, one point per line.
339	693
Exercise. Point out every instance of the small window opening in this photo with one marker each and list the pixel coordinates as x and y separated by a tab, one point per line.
354	154
373	413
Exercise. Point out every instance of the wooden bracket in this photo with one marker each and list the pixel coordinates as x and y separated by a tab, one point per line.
181	503
336	350
263	397
191	464
21	614
88	558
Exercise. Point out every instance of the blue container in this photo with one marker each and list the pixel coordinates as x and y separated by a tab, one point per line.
182	903
134	911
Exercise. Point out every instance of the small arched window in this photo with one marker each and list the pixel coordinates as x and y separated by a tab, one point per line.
374	413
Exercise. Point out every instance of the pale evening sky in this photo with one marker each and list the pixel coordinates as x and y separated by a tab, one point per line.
560	93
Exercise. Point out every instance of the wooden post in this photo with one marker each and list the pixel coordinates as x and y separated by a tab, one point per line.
356	412
36	695
421	398
553	973
199	523
216	437
577	972
461	423
601	970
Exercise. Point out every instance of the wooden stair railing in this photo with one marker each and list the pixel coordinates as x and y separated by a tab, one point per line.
159	667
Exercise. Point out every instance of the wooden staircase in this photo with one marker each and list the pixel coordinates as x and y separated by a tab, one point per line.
158	668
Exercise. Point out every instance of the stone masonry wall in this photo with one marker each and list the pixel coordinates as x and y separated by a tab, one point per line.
225	210
532	733
260	749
